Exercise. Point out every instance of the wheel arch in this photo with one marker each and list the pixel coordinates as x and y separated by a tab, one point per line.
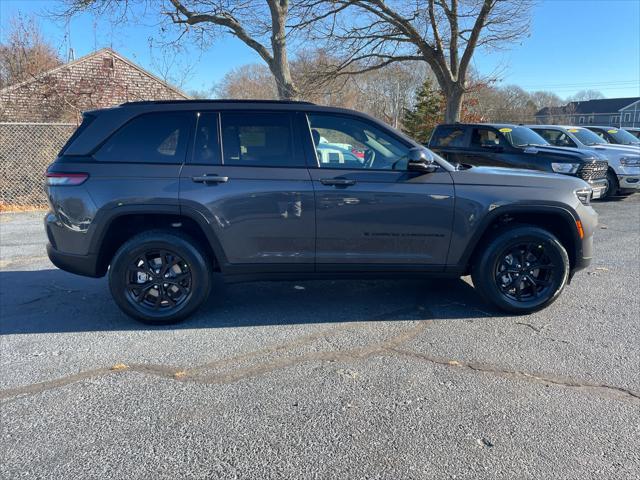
558	220
116	227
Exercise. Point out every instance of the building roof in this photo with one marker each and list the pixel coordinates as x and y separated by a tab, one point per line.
90	56
603	105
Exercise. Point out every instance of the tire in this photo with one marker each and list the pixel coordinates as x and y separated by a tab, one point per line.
612	185
159	277
499	273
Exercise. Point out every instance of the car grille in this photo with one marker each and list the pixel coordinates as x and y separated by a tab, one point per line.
593	171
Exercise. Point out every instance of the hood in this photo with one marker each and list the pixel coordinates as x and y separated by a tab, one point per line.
613	147
571	153
515	177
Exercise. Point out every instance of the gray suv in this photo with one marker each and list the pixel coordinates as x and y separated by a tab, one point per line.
158	195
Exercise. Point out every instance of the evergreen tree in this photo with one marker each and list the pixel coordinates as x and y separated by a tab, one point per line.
420	121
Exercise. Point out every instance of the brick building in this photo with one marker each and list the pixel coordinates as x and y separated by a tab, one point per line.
101	79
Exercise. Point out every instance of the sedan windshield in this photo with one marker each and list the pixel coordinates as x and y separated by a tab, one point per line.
586	137
623	137
523	137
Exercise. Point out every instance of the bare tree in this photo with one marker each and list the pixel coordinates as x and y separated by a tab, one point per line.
25	53
584	95
445	34
253	81
259	24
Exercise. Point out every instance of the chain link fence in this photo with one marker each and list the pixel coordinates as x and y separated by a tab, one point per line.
26	149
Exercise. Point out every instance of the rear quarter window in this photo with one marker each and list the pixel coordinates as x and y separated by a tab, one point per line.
150	138
448	137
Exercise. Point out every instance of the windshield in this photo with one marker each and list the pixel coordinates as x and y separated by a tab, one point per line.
623	137
523	137
586	137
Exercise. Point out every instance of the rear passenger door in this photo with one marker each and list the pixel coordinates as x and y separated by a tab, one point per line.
143	158
487	148
247	175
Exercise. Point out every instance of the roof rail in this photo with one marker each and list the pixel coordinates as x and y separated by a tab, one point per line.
217	100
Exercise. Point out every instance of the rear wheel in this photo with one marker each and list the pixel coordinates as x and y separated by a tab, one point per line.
522	269
159	277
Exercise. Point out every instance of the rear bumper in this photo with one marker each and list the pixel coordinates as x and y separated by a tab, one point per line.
86	265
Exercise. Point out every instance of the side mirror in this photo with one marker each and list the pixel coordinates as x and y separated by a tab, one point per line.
421	160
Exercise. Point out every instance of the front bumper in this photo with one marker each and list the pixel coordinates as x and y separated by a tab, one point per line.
599	187
629	182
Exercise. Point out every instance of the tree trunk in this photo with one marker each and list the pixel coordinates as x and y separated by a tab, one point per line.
279	65
454	95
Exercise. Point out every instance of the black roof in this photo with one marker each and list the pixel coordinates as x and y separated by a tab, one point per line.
602	105
214	100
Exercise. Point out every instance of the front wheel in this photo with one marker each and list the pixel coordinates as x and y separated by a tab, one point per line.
522	270
159	277
612	185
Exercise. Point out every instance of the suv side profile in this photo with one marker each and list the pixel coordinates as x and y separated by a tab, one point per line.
158	195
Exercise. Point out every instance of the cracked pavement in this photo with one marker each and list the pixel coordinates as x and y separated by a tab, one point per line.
324	379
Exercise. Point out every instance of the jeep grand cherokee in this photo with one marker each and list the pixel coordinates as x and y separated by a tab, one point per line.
158	195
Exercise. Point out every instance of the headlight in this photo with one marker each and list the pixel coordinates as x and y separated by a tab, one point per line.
565	167
630	161
584	195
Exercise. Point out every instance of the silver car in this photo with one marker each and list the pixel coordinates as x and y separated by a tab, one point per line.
624	160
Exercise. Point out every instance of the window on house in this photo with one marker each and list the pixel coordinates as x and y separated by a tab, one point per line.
590	119
581	121
107	63
627	117
614	119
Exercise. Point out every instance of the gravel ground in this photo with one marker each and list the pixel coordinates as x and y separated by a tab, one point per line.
345	379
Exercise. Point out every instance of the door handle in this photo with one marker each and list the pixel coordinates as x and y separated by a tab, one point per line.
337	182
210	179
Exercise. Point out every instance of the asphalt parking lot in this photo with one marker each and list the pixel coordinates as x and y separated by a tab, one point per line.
345	379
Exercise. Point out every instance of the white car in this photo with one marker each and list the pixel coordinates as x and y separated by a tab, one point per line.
624	160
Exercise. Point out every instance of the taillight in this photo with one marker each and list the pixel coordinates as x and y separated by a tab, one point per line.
64	179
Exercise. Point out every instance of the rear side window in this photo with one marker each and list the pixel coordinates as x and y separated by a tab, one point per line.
556	137
151	138
259	139
86	121
448	137
484	137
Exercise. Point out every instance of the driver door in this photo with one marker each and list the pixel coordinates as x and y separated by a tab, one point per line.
371	213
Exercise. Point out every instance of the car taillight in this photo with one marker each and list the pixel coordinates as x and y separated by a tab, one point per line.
64	179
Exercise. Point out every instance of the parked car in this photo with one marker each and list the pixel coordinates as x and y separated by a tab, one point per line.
515	146
158	195
617	136
623	175
635	131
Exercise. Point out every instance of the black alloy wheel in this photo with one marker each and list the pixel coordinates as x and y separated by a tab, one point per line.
521	269
160	277
525	272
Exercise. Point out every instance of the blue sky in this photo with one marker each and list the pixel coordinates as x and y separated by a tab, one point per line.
574	45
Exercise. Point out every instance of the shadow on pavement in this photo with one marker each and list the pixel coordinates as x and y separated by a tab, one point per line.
45	301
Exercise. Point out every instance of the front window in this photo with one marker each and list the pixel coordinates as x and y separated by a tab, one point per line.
622	137
350	143
586	137
522	137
